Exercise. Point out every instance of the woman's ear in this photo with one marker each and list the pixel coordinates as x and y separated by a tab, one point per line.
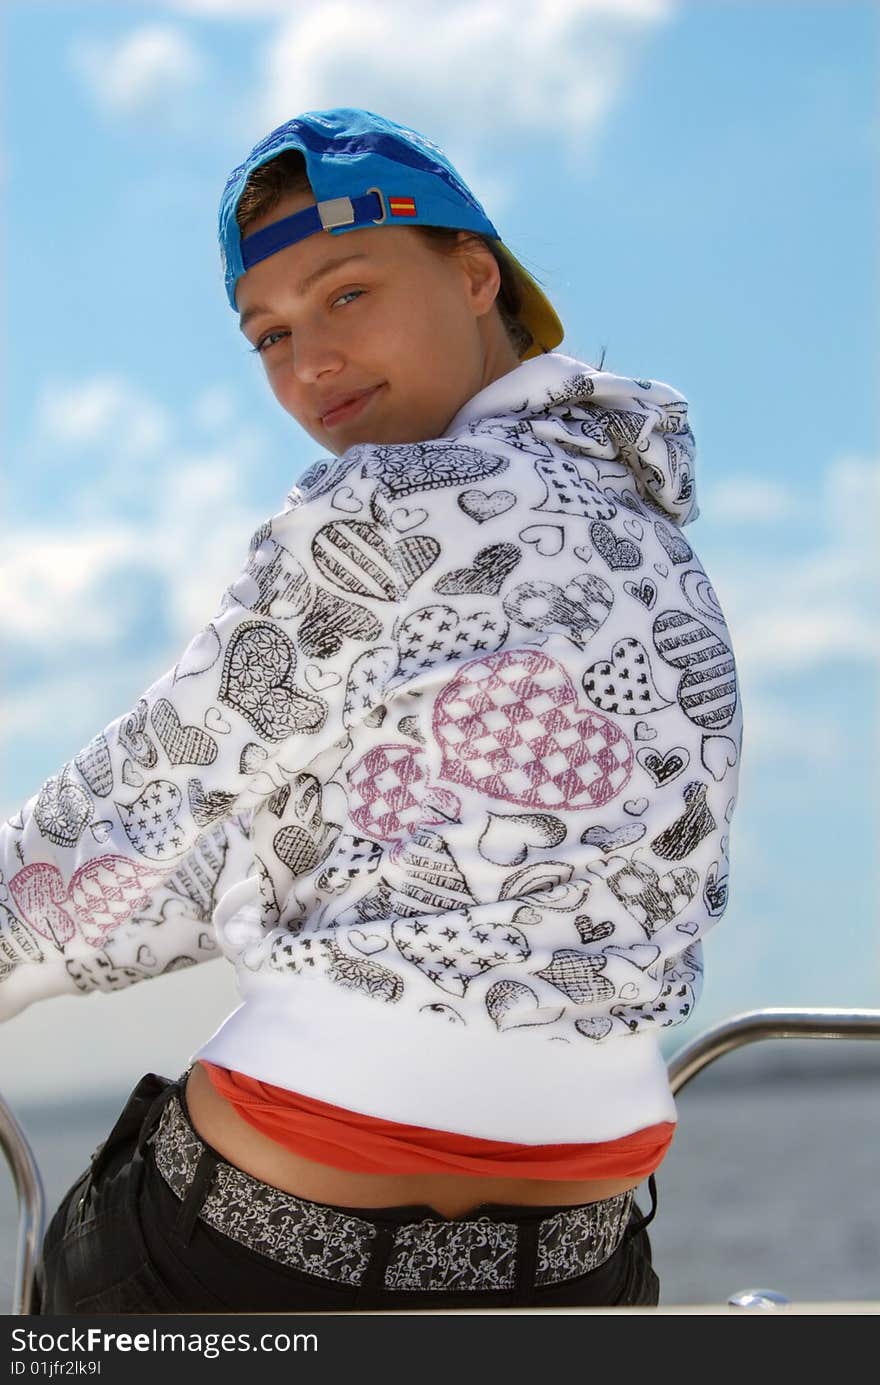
482	273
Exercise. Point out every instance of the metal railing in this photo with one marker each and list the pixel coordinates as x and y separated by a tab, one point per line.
752	1026
31	1206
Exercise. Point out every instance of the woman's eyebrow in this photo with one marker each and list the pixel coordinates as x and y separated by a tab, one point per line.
307	283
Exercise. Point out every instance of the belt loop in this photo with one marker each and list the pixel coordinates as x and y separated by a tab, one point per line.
371	1289
154	1115
527	1233
635	1227
195	1196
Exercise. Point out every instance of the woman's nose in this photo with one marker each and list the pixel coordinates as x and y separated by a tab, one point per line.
314	355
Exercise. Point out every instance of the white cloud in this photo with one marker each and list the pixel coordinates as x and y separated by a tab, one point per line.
802	610
139	72
854	498
47	576
777	729
233	9
178	516
103	411
529	68
784	638
60	587
70	697
214	408
247	9
750	500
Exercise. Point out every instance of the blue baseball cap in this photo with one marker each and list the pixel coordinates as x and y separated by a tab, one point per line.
365	170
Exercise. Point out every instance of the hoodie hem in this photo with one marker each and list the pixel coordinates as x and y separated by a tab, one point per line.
496	1086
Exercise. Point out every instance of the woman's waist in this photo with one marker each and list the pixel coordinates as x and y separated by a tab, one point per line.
218	1123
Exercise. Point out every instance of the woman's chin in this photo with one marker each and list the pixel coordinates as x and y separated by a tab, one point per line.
386	431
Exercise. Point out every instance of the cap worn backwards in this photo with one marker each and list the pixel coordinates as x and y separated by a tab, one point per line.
365	170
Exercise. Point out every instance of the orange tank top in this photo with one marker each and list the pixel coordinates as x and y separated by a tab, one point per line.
367	1144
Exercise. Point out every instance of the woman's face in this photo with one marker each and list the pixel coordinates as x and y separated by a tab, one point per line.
376	313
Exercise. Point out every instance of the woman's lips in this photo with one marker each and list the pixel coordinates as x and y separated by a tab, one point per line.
347	411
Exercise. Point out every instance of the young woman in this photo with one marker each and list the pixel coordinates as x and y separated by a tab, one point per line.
448	779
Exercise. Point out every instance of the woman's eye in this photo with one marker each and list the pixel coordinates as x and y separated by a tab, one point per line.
272	337
268	340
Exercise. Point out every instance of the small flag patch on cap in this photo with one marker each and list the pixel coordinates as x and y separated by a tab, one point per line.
402	206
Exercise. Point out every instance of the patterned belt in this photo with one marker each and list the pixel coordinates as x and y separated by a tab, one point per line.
473	1253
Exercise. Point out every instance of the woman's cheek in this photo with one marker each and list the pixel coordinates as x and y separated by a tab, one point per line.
282	385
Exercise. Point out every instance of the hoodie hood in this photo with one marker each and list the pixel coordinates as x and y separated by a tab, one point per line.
620	424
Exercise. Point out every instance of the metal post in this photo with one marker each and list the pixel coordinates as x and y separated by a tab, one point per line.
31	1206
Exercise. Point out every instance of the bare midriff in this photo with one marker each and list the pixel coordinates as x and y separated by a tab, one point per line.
220	1125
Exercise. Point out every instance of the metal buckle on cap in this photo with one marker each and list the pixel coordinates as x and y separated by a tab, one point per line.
336	211
377	220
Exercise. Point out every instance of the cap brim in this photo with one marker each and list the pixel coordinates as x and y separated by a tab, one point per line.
536	313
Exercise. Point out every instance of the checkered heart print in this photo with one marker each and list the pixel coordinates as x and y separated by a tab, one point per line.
389	794
508	726
101	895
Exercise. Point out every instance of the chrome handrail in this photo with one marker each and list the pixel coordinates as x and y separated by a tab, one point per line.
31	1206
753	1026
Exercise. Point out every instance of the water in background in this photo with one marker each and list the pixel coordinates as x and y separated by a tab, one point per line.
770	1182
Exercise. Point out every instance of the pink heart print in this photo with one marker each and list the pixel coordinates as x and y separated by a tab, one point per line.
389	793
101	894
509	726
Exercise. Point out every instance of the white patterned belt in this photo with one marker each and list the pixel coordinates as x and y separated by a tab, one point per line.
475	1252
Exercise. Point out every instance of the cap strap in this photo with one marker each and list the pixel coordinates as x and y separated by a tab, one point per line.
325	216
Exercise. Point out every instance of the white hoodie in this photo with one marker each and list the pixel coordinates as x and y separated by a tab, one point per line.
448	779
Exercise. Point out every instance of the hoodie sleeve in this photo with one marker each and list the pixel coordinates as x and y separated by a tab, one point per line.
109	873
169	929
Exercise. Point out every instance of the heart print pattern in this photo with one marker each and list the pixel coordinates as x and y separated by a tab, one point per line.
464	732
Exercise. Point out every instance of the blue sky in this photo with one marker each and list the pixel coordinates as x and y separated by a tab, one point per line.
696	186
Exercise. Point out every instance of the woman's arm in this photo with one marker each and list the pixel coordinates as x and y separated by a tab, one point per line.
110	873
170	930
